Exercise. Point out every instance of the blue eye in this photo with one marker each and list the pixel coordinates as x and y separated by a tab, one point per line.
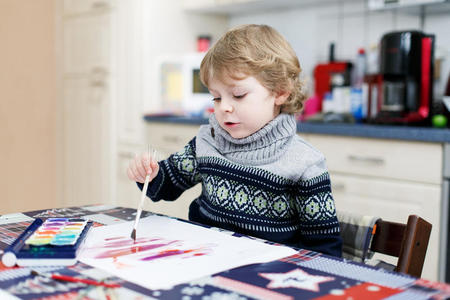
216	99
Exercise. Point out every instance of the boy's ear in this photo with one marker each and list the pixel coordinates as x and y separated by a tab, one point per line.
281	97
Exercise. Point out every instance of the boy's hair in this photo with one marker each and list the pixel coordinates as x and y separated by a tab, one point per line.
259	51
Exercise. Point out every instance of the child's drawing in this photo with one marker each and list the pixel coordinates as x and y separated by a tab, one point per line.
168	252
145	249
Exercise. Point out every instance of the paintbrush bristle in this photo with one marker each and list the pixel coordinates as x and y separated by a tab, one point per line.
133	234
34	273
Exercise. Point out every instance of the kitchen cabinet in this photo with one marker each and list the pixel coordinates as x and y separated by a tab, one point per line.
86	143
102	70
83	56
387	178
129	26
87	110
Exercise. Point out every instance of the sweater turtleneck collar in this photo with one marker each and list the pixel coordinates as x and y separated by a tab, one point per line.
262	147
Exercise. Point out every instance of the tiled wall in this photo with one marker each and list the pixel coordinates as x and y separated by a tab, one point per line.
351	25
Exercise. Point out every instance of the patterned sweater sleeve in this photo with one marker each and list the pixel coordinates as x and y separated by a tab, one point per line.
176	174
319	226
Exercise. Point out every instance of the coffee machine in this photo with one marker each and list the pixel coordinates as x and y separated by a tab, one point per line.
406	69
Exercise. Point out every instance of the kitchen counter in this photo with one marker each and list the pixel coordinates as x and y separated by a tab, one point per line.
423	134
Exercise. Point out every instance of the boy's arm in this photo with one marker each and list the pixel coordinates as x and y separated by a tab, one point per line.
319	226
176	174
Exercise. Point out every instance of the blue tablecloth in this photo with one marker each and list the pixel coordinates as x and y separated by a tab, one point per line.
305	275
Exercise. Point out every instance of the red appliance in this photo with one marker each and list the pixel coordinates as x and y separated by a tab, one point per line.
328	75
406	67
331	74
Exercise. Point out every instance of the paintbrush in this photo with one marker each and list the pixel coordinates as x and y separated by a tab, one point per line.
141	203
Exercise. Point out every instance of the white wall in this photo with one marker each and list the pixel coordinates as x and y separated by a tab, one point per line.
350	25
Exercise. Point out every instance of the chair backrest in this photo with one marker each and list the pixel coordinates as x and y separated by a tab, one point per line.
408	242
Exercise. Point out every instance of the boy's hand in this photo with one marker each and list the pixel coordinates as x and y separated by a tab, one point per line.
142	165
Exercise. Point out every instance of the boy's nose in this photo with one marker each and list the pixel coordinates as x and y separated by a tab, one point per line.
225	105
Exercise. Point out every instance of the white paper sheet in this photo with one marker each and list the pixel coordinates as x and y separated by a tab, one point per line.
169	252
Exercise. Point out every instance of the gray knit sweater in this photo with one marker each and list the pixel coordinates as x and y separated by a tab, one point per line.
271	184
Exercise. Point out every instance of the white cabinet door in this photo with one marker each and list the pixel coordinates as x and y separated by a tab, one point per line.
129	60
398	160
86	142
393	201
87	113
87	45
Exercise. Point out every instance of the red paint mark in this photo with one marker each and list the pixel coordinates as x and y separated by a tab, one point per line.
175	252
126	241
114	238
147	248
131	250
119	265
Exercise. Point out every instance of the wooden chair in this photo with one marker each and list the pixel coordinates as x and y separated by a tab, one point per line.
408	242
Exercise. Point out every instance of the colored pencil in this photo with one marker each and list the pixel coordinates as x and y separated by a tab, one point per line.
76	279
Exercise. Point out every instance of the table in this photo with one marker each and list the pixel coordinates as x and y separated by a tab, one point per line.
304	275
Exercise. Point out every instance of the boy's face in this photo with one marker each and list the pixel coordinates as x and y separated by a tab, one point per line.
242	107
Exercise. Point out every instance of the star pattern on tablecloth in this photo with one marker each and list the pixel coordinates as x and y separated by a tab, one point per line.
296	278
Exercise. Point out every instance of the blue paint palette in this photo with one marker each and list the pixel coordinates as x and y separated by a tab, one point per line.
55	241
57	232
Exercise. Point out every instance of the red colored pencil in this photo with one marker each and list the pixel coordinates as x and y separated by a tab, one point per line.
83	280
76	279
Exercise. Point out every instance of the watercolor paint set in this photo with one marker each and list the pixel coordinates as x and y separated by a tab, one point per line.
55	241
57	232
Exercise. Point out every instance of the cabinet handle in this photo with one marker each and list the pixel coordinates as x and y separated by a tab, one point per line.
98	76
338	187
366	159
98	83
127	154
99	71
100	5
